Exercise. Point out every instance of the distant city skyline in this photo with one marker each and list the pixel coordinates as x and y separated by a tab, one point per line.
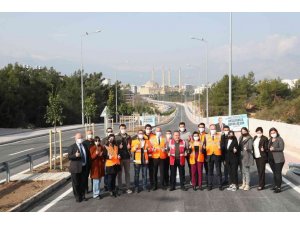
131	44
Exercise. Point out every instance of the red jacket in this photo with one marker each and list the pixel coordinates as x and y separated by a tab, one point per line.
181	151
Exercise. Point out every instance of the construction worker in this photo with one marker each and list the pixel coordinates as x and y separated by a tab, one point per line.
214	154
159	155
139	149
177	152
148	134
196	160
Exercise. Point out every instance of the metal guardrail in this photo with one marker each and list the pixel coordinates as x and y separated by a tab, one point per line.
29	158
295	168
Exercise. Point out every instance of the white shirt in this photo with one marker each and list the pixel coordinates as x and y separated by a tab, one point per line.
256	147
84	153
229	143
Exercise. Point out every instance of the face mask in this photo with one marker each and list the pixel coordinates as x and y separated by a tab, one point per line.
123	131
97	142
245	134
201	129
107	134
230	137
196	138
148	131
158	134
140	136
226	132
259	135
89	136
79	141
213	132
168	136
273	135
182	129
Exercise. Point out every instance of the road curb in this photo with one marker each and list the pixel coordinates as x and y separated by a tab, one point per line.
293	177
38	196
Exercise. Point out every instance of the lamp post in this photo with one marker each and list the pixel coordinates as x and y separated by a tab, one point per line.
206	69
81	72
230	67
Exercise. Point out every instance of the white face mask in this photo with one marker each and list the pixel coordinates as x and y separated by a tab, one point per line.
97	143
168	136
182	129
213	132
201	129
123	131
259	135
273	135
196	138
158	134
140	136
89	136
79	141
226	132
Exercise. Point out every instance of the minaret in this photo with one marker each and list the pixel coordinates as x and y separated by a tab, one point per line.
179	80
169	78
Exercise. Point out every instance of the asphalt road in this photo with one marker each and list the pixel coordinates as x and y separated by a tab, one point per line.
160	201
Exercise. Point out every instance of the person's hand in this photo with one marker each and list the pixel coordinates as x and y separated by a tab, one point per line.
128	146
234	150
185	153
262	149
245	148
101	153
97	152
121	146
272	148
204	147
119	157
146	161
110	156
77	154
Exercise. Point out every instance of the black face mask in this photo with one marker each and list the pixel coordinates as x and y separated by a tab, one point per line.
245	135
230	137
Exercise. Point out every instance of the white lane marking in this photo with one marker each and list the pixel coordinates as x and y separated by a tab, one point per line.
26	150
53	202
292	185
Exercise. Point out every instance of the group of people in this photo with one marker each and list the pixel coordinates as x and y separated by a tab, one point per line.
168	153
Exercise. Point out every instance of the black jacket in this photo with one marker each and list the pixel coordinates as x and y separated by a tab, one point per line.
124	140
231	156
75	162
263	143
223	144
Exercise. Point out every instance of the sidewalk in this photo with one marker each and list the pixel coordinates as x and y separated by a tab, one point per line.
16	136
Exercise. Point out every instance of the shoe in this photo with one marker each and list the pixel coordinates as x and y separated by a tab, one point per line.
221	188
115	194
194	188
260	188
136	190
233	188
229	188
79	200
172	189
225	183
105	188
274	188
129	191
183	188
200	188
243	186
278	190
247	188
154	188
191	183
209	188
84	198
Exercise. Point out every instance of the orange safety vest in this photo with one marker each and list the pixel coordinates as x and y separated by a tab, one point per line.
213	146
200	157
159	148
136	148
112	150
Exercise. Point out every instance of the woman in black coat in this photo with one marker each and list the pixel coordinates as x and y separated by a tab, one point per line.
232	159
260	154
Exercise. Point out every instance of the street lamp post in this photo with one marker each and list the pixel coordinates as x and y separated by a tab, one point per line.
206	68
230	67
81	72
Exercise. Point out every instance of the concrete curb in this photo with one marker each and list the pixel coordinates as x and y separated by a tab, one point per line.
293	177
38	196
39	135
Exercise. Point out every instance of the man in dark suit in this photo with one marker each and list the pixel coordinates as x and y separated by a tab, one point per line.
224	141
79	158
220	125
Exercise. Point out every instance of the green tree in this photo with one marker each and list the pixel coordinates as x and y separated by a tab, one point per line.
90	108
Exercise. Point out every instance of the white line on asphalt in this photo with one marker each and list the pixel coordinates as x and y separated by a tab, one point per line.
26	150
53	202
292	185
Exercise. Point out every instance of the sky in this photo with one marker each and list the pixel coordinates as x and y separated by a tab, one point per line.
131	44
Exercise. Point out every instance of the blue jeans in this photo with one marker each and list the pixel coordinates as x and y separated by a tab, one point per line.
137	168
96	187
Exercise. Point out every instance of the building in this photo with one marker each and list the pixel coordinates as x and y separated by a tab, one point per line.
150	88
290	83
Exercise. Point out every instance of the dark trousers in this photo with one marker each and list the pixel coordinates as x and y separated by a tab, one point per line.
205	164
137	169
78	185
111	181
85	174
189	165
165	163
225	166
261	166
233	171
214	162
105	180
277	172
150	166
174	173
